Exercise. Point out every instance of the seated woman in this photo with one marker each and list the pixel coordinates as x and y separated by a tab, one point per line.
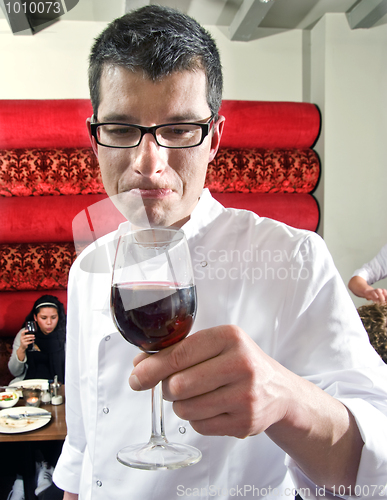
47	358
44	361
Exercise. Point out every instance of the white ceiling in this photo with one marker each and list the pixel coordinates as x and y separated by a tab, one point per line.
242	19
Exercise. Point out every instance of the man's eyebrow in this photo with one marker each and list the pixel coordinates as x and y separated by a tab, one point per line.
115	117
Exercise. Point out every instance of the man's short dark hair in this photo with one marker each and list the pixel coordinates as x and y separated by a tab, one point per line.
159	41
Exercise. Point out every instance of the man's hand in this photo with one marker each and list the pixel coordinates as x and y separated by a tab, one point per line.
224	384
220	381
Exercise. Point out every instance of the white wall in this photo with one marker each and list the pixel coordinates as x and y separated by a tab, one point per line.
267	69
53	63
49	65
349	83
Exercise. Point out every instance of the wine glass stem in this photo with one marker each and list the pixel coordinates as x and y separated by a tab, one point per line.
158	434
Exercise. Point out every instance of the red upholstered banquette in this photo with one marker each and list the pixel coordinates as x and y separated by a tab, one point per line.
49	174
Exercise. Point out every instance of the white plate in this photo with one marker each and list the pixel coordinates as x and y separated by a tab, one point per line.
13	426
33	382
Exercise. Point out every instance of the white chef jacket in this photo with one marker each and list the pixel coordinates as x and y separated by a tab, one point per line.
374	270
277	283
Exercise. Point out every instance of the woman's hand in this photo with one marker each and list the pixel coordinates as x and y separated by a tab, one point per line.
26	339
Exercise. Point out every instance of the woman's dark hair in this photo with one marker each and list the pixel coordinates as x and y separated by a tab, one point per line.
50	301
159	41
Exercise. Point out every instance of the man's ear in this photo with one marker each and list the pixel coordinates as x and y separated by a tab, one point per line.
216	136
94	144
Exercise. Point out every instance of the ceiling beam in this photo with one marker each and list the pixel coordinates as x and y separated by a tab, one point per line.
27	18
247	19
366	13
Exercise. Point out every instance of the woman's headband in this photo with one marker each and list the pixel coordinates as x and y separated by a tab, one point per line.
47	304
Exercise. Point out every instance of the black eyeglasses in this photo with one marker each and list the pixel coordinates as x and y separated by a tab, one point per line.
169	135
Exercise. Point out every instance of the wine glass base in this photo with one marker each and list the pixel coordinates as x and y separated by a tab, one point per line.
156	456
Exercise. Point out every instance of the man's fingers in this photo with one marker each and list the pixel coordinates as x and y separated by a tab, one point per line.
140	357
199	379
191	351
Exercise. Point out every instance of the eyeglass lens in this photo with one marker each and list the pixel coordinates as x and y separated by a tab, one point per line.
180	135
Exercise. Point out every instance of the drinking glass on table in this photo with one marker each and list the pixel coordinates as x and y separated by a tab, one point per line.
153	305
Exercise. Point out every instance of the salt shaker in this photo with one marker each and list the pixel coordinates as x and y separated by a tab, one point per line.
56	399
46	396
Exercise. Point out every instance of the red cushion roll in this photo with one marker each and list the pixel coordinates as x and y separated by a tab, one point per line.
297	210
267	124
60	123
54	123
49	219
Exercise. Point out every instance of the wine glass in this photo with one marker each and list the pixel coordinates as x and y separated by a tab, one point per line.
153	305
31	327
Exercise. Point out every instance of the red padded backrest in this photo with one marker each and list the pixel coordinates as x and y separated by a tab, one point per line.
60	123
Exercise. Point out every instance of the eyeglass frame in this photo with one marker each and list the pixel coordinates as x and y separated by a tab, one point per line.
206	127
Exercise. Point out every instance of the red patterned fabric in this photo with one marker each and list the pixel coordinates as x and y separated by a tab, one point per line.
27	266
40	172
263	171
16	305
269	124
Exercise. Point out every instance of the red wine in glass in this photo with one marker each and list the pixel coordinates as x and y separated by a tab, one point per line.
153	316
153	305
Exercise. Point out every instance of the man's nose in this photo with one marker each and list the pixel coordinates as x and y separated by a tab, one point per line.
151	158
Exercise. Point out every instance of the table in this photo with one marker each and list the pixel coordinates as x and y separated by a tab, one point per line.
55	430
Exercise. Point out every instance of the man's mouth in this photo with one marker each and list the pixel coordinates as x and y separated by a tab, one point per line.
158	193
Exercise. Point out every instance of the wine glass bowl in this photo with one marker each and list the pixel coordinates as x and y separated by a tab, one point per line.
32	328
153	305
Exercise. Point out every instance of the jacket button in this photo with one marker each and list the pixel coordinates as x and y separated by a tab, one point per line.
99	483
107	338
106	410
182	430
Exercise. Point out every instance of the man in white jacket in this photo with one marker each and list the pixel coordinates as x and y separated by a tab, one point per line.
277	385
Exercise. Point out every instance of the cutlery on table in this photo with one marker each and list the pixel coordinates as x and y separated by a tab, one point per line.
18	416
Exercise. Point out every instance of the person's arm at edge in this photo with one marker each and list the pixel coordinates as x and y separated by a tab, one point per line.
361	288
15	365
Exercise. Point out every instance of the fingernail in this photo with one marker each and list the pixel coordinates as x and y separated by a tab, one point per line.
134	383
